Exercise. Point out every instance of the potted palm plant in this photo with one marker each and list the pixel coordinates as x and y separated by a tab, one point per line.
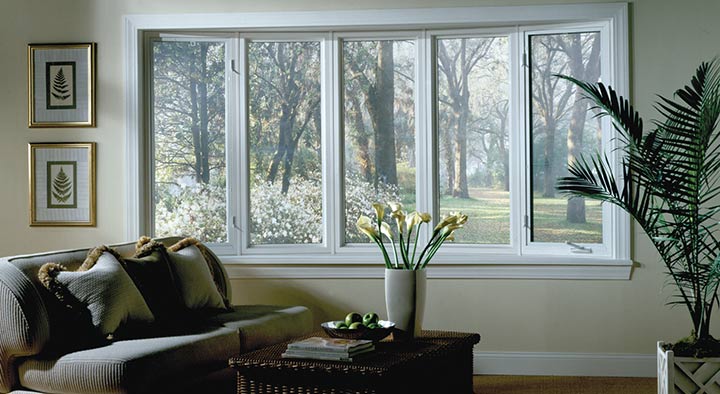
669	186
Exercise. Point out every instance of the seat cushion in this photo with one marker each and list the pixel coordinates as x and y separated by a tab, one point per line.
264	325
133	366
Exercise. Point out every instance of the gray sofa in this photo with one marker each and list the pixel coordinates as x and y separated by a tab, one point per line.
31	329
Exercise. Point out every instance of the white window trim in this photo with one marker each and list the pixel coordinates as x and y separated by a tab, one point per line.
450	262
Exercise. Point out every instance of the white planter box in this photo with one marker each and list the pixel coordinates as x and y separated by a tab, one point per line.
687	375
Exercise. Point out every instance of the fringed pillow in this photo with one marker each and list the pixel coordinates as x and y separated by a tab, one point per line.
100	288
194	277
150	269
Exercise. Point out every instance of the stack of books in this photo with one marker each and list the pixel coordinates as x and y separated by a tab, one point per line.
333	349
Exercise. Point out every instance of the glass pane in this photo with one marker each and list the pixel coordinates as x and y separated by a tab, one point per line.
379	127
188	117
473	102
285	144
562	130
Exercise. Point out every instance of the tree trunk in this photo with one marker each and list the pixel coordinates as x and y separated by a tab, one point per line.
448	142
195	130
590	72
462	101
502	149
203	101
361	137
380	104
548	155
286	124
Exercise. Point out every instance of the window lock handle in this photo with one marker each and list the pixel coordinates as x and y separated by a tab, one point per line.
578	248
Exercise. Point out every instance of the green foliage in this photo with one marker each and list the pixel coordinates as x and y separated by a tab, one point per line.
60	89
669	183
61	186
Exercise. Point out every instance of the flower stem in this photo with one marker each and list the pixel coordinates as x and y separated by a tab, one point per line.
428	246
434	249
412	260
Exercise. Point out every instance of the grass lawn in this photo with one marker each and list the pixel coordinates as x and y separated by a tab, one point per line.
489	219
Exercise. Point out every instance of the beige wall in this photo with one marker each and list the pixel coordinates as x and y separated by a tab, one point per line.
668	39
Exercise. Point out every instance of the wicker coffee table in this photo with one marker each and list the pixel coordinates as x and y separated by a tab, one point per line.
437	362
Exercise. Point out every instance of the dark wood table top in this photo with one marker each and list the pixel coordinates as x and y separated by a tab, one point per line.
389	355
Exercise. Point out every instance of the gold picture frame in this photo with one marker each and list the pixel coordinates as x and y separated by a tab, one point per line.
62	184
61	85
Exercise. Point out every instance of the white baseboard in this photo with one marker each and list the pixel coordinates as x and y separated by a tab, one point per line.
564	364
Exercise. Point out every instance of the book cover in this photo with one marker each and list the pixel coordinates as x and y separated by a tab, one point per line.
339	345
309	353
332	356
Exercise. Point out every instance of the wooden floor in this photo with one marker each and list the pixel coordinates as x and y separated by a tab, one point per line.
506	384
562	385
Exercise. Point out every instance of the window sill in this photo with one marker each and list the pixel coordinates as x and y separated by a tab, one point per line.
259	267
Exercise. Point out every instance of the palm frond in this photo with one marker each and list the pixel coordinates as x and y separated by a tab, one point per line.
670	181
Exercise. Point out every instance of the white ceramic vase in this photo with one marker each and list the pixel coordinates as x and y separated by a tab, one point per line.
405	300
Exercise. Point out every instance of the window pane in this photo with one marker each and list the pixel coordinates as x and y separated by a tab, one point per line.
188	117
473	101
379	127
562	130
284	135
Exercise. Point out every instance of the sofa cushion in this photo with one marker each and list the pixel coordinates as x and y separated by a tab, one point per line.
197	288
264	325
100	291
132	366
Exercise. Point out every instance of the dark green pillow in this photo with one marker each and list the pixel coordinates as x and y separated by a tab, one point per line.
151	273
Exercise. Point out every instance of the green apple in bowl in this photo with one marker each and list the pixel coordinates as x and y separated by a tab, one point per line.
370	318
353	317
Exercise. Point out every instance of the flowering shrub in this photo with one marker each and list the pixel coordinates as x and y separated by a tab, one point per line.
295	217
359	197
197	210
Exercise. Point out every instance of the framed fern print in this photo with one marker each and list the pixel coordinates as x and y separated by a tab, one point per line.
61	85
62	184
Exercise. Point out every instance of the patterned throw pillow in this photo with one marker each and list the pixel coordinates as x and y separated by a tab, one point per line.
100	288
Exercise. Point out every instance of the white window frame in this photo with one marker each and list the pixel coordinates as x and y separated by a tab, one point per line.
454	261
231	138
608	226
325	82
352	250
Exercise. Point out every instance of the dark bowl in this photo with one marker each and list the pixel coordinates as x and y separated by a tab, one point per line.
373	334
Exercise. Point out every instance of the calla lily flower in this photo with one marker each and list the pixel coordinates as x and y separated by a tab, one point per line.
364	221
395	206
450	228
385	229
445	222
413	220
366	225
399	217
379	210
406	225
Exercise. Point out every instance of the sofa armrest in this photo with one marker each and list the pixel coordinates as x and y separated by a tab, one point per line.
24	328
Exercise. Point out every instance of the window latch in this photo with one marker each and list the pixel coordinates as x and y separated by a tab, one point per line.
235	225
578	248
233	67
